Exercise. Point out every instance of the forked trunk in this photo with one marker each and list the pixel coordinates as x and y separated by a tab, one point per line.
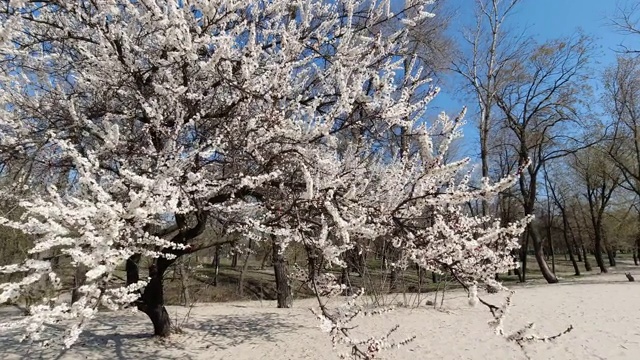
152	300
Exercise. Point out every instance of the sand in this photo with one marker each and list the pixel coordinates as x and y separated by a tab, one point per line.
604	310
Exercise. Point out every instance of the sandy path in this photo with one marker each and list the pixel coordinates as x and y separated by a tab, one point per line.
605	314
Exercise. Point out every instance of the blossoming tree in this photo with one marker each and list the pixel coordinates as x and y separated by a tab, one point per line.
270	117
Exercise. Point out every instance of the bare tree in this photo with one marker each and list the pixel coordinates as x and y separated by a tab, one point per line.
558	195
599	178
491	49
539	99
627	22
622	100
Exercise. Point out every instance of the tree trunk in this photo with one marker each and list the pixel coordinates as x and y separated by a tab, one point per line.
243	272
185	299
612	257
576	247
79	279
587	264
152	300
565	224
234	260
312	262
553	256
598	250
523	256
283	288
216	265
539	255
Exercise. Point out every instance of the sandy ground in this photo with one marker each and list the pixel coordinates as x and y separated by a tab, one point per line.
604	310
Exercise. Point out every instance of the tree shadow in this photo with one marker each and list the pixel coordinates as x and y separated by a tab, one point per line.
128	336
228	331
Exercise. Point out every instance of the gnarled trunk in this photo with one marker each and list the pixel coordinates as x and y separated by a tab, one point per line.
152	300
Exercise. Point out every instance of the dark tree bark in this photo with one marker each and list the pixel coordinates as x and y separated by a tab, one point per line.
561	204
312	261
151	302
575	244
587	263
234	260
565	223
79	279
549	276
216	265
612	256
597	227
552	250
523	256
283	288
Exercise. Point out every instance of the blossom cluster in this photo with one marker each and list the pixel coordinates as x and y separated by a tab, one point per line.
272	118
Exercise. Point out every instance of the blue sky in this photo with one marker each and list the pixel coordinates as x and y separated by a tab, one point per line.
544	20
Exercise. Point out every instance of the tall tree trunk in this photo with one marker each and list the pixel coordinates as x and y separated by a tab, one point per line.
577	248
183	267
585	256
529	192
612	256
216	265
283	289
565	225
523	255
539	255
598	249
587	264
553	253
